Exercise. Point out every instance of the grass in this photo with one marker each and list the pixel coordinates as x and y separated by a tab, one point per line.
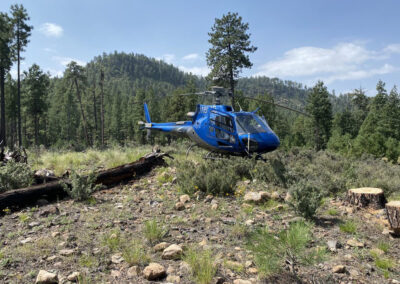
134	253
349	227
332	212
384	246
24	218
112	240
88	261
153	231
201	264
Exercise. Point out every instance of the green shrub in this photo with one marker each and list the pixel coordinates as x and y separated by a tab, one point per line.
134	253
349	227
81	187
306	199
153	231
15	175
201	265
289	246
212	177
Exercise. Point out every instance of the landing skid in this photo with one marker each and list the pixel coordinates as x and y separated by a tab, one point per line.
212	155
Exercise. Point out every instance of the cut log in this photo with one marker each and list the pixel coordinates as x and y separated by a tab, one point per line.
54	190
393	214
367	197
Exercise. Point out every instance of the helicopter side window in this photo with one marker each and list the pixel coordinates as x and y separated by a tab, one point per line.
222	123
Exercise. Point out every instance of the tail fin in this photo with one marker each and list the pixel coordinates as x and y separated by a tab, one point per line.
146	113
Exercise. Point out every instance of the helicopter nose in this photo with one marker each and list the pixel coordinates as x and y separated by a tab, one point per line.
271	142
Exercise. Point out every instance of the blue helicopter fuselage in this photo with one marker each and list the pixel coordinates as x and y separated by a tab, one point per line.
218	128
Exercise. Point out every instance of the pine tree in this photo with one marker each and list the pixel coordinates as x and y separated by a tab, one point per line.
21	31
5	65
229	52
36	88
320	109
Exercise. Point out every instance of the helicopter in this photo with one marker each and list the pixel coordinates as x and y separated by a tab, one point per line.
221	130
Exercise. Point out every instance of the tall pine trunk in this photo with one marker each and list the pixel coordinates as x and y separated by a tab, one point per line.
19	91
3	141
94	111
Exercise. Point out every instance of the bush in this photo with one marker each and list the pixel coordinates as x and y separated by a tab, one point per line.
212	177
306	199
201	264
15	175
134	253
153	231
289	246
349	227
81	187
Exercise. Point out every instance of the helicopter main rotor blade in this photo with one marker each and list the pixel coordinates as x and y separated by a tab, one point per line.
197	94
278	105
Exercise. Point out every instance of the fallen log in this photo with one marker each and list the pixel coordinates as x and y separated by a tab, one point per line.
54	190
393	214
367	197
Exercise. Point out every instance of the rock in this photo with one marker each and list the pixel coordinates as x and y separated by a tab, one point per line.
45	173
184	198
45	277
133	271
51	258
67	252
214	206
208	198
53	210
241	281
339	269
117	258
252	270
154	271
288	197
275	196
55	234
354	273
115	273
161	246
173	279
27	240
355	243
74	276
33	224
249	222
184	267
179	206
332	245
172	252
203	242
248	264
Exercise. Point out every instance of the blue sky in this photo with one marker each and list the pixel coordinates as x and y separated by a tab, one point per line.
346	43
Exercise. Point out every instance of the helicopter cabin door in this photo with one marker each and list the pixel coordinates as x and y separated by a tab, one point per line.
222	128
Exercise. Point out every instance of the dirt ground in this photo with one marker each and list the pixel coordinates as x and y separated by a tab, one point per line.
68	236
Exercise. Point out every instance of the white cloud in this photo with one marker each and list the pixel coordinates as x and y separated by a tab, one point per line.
344	61
51	30
169	58
200	71
392	48
66	60
191	56
50	50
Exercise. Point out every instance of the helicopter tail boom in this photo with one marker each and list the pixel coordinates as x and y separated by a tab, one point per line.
146	113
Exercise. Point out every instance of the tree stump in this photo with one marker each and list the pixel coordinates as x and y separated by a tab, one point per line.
367	197
393	214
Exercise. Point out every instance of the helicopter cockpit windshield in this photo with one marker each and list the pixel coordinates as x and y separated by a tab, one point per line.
250	123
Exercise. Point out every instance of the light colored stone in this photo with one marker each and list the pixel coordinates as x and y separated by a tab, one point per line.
67	252
45	277
332	245
354	273
172	252
55	234
74	276
252	270
173	279
249	222
184	198
355	243
203	242
51	258
117	258
339	269
115	273
275	195
214	206
248	264
33	224
241	281
27	240
133	271
154	271
288	197
377	252
256	197
179	206
161	246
